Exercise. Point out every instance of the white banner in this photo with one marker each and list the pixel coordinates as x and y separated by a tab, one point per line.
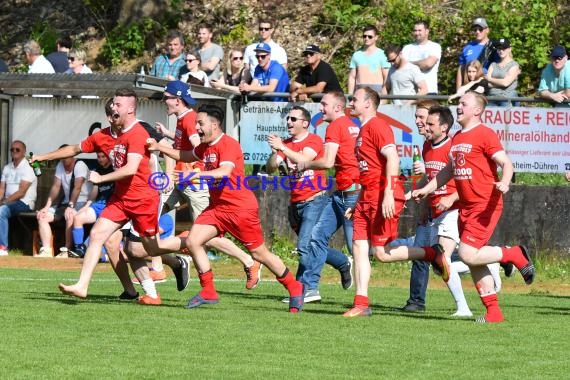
536	139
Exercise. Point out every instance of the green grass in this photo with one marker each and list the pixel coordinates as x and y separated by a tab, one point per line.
251	335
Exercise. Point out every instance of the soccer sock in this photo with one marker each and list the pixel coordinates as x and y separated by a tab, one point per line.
513	255
491	302
361	301
149	288
207	282
77	233
430	254
460	267
294	287
494	269
454	285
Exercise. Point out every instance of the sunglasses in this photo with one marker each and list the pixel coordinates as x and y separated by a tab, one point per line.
264	29
191	59
261	56
237	58
556	58
71	59
367	36
294	119
308	54
166	97
392	60
477	29
15	150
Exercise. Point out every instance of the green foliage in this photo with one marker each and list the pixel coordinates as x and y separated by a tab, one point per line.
44	34
238	34
125	42
542	179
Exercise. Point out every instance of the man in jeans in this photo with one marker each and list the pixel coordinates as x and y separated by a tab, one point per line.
18	190
308	192
340	140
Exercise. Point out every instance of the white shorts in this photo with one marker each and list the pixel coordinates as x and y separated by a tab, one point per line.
445	225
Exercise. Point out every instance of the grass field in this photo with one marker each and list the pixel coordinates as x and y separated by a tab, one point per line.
251	335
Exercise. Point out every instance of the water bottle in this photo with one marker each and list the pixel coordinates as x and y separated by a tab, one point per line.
36	166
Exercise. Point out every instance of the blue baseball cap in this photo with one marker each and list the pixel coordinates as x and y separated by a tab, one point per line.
262	46
181	90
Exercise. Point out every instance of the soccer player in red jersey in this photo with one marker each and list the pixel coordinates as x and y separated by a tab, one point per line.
381	201
476	152
233	207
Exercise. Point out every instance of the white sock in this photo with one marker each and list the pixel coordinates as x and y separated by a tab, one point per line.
454	285
494	269
149	288
460	267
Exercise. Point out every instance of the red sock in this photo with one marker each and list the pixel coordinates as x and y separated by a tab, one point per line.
491	302
207	282
513	255
361	301
430	254
294	287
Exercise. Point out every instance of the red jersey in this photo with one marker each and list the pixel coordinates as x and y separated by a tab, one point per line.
185	130
436	158
102	141
132	141
474	170
227	193
309	182
374	136
342	133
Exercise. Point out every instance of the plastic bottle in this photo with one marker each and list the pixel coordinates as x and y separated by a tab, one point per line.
36	166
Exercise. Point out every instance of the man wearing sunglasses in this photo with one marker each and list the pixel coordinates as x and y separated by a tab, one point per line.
369	65
481	48
18	190
555	78
316	77
266	29
269	75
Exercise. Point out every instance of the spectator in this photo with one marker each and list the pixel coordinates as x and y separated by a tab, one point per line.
38	63
3	66
167	66
555	78
316	77
369	65
18	190
403	77
236	73
266	30
502	76
425	54
71	177
269	75
76	59
211	54
474	80
191	73
58	58
481	49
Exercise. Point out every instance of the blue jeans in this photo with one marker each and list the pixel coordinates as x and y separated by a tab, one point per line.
6	212
302	218
419	276
331	219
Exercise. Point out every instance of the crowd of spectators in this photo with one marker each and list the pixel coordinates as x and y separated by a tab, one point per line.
396	70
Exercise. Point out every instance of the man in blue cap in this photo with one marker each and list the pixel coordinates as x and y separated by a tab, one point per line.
269	76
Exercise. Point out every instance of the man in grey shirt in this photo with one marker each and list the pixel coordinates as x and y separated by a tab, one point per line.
211	54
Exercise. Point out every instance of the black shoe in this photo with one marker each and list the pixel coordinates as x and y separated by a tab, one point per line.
181	273
508	268
346	275
528	270
125	296
413	308
77	252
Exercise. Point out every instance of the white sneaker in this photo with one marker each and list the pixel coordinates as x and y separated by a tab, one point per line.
463	313
3	252
63	253
312	295
45	252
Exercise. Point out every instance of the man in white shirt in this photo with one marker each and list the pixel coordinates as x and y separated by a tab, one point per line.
18	190
38	63
425	54
266	29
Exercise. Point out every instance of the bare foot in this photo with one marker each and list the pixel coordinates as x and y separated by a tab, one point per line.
73	290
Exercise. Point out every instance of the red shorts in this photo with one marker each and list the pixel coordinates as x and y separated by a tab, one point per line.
369	224
244	225
143	213
477	226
